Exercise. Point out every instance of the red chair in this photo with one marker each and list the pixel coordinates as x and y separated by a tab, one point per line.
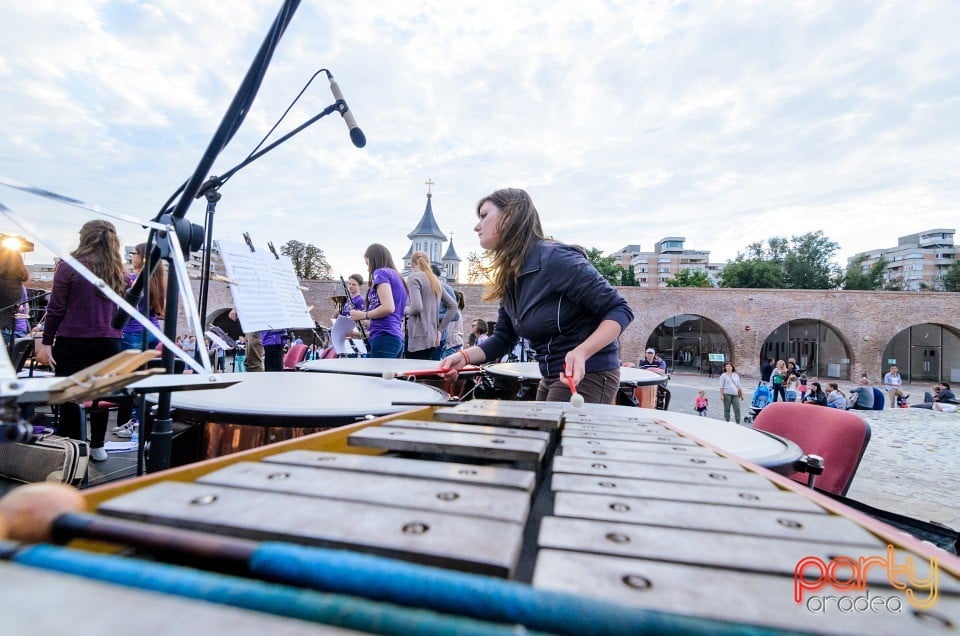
294	356
839	437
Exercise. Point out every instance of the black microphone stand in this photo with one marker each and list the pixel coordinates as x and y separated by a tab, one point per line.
211	190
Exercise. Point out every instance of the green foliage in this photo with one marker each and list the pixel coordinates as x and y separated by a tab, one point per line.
802	262
856	278
606	265
951	279
689	278
752	273
807	262
629	278
309	262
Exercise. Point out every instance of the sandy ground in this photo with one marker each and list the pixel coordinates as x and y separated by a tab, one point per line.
911	465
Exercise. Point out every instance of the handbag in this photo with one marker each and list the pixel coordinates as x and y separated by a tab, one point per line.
52	458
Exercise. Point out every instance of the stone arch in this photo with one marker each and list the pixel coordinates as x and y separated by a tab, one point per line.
686	341
819	348
925	352
221	318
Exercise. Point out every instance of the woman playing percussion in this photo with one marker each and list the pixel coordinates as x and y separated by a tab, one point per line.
386	301
424	329
78	332
551	294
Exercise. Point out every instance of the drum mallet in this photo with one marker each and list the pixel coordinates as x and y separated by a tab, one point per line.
576	400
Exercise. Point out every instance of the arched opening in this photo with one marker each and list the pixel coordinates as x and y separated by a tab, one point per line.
816	346
692	343
924	353
221	318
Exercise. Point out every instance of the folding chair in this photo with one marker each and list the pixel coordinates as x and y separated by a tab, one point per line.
837	438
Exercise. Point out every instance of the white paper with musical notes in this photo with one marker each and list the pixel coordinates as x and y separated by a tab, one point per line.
265	289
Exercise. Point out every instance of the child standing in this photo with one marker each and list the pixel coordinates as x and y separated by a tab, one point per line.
790	393
803	387
700	403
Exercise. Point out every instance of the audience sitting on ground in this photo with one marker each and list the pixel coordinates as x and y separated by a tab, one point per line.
941	396
816	395
861	396
836	398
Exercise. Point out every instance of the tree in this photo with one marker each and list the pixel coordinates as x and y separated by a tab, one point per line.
856	278
807	262
629	278
951	279
752	273
606	265
478	268
689	278
309	261
802	262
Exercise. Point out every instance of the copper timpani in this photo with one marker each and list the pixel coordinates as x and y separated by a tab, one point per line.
401	368
263	408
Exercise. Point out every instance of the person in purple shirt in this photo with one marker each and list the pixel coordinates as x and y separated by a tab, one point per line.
77	332
354	283
13	273
386	300
132	335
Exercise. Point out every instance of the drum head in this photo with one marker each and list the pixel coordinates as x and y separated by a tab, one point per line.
288	397
369	366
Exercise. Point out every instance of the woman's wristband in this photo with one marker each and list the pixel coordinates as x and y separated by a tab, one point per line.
366	315
466	358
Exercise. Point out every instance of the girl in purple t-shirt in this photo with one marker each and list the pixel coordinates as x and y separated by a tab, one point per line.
386	300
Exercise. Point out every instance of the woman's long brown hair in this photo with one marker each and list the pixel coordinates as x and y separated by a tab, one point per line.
519	226
158	283
99	250
379	257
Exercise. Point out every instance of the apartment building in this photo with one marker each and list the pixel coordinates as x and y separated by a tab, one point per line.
919	261
653	269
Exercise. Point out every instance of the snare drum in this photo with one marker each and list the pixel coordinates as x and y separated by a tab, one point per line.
263	408
377	367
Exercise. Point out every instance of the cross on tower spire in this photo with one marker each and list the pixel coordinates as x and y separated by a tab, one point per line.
429	183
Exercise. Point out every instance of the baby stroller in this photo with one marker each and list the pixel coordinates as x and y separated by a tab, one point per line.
761	397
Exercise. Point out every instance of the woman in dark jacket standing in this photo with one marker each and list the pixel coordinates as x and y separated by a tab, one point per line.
550	294
77	332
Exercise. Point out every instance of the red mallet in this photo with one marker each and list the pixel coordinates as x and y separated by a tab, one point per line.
576	400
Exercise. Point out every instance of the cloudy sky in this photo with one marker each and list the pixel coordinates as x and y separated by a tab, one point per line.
724	122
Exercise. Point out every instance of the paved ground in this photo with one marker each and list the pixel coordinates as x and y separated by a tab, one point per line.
910	465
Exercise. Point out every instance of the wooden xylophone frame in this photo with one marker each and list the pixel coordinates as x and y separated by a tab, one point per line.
336	440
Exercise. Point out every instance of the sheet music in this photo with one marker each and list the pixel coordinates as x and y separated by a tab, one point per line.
343	326
266	292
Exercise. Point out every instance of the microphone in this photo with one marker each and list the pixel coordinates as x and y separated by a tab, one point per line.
356	135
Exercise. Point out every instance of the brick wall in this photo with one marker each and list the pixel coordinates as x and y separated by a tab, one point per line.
866	321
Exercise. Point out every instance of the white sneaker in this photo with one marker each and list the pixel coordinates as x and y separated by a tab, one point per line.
127	433
126	425
98	454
